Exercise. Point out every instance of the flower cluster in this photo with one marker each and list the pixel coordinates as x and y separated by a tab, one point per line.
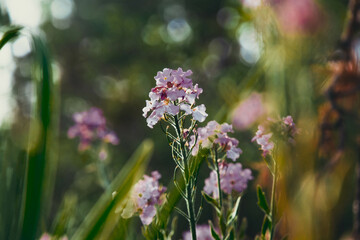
203	232
263	140
215	133
174	92
232	178
90	126
284	128
290	125
248	111
146	194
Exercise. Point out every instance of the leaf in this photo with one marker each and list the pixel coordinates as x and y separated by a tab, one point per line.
38	182
213	232
9	35
230	235
262	203
102	219
212	201
266	225
233	213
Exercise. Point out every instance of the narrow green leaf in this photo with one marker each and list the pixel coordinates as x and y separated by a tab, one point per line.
233	213
266	225
102	219
41	138
213	232
262	203
222	224
230	235
212	201
9	35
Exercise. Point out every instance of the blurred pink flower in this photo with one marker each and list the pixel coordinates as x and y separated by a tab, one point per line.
290	128
90	126
248	111
232	178
174	91
147	194
203	232
299	16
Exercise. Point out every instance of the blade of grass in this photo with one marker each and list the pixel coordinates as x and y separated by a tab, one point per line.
9	35
40	136
102	214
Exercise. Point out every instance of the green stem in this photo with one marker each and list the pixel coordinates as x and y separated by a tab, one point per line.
188	182
218	177
272	209
104	181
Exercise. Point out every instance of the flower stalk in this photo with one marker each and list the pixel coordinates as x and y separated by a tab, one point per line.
189	184
272	203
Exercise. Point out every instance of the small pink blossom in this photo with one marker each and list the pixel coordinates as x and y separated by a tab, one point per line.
290	128
215	133
232	178
146	194
263	140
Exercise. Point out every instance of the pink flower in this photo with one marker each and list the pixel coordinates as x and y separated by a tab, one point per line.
146	194
174	92
299	16
214	133
232	178
263	140
90	126
203	232
211	185
248	112
290	128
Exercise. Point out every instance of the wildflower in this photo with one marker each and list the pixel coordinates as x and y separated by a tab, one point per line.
90	126
146	194
174	92
215	133
203	232
263	140
232	178
248	111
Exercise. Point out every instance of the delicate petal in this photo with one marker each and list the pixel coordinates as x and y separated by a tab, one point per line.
234	153
186	108
199	113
